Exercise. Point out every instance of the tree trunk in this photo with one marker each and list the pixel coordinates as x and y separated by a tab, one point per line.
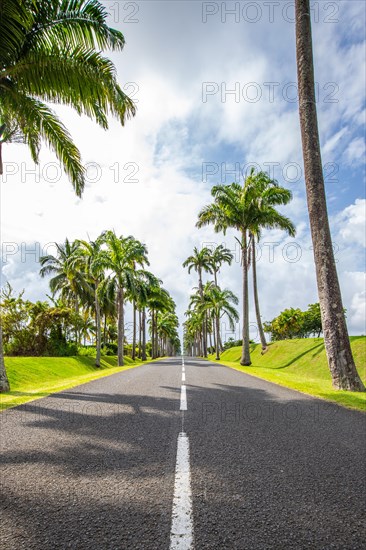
210	339
204	338
105	332
143	349
215	277
214	335
4	382
121	327
140	333
217	323
245	356
220	343
336	339
134	332
98	332
256	301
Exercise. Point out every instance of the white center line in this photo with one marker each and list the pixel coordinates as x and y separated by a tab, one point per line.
181	535
183	376
183	398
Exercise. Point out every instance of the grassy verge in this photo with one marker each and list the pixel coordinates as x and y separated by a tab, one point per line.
35	377
302	365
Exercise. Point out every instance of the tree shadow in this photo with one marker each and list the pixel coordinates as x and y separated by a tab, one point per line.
94	467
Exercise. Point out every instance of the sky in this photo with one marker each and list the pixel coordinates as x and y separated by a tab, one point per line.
215	90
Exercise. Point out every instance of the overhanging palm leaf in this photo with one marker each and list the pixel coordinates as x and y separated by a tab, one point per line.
47	54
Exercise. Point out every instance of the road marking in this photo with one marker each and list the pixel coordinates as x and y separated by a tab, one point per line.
183	369
183	398
183	377
181	534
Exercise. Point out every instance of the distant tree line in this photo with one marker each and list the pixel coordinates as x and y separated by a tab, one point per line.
91	284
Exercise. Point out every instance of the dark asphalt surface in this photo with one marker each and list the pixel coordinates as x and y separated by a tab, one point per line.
93	467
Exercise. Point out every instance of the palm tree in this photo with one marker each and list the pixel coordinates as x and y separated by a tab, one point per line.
192	332
50	53
336	339
237	206
200	261
267	195
219	303
218	256
68	280
138	294
167	324
158	301
122	256
89	259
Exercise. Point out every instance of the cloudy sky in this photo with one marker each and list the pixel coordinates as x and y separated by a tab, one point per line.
215	86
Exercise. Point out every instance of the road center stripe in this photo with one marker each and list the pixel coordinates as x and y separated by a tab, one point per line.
181	535
183	398
183	376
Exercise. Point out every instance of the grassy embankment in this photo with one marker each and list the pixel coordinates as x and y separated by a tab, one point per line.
34	377
301	365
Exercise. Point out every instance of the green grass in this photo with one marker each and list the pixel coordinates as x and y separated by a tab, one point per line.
301	365
35	377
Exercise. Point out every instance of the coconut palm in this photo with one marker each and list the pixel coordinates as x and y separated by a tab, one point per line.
138	294
200	261
336	339
158	301
219	256
50	53
123	254
167	325
267	194
220	303
237	207
68	280
88	258
192	332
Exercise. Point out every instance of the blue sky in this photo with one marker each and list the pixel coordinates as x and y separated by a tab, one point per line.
178	68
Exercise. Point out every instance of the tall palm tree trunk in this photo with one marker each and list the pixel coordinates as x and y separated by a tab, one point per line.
217	324
215	276
256	300
105	331
143	328
204	337
4	382
210	338
121	327
214	333
336	339
98	332
245	356
134	332
140	334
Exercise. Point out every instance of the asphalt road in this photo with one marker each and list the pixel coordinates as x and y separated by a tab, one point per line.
94	467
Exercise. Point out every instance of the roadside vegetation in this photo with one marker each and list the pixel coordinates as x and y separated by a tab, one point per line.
92	283
301	364
35	377
249	209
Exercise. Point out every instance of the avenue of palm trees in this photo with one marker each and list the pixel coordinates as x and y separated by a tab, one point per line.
52	52
100	277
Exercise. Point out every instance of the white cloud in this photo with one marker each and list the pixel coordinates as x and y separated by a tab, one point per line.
169	54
